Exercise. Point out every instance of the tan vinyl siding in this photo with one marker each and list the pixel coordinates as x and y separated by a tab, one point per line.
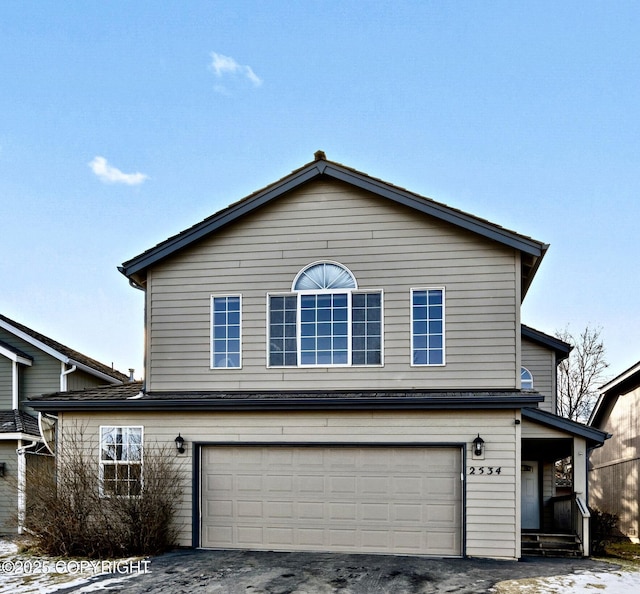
540	362
387	247
614	477
532	430
492	502
8	491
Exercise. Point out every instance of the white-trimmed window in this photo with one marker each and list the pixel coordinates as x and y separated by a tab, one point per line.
226	320
120	461
526	379
325	321
427	326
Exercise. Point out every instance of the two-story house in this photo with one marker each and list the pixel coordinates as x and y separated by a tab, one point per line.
345	362
33	364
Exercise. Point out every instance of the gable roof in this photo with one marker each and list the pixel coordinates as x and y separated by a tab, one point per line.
61	352
561	348
624	383
532	251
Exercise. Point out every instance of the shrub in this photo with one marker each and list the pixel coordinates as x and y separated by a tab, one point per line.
67	515
603	525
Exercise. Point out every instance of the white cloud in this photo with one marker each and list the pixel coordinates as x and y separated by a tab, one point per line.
112	175
225	65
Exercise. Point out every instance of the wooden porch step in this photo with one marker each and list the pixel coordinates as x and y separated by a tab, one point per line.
550	545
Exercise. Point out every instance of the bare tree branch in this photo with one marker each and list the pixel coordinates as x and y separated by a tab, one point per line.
580	375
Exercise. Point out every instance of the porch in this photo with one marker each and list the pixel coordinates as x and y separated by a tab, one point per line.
554	506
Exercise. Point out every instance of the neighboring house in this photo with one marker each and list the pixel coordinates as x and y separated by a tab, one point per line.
33	364
346	364
614	472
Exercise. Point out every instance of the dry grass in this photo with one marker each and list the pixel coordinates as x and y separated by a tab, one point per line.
626	551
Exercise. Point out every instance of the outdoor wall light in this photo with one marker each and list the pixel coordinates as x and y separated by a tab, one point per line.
2	468
478	446
180	444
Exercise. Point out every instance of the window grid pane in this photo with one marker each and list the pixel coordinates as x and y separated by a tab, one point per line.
428	327
121	461
226	332
324	329
283	318
366	330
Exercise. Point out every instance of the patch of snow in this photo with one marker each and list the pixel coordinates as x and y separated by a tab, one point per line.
35	574
623	581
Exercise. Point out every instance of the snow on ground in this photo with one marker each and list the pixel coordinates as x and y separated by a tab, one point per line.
623	581
33	574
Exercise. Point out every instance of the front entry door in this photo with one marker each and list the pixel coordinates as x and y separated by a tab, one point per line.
530	496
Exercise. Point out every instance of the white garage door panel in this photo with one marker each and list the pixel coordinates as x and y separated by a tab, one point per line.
373	499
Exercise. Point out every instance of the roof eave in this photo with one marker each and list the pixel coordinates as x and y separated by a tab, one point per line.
561	348
307	403
15	435
99	374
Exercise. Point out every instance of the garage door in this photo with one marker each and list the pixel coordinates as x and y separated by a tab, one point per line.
404	500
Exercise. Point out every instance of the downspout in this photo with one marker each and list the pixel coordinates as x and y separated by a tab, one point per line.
63	376
22	482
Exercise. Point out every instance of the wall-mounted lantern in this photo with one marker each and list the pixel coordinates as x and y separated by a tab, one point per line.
478	446
2	468
180	444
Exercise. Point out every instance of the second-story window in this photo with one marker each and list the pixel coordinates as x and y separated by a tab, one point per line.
225	331
427	327
325	321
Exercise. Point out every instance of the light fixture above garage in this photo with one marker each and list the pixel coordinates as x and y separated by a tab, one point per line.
478	446
180	444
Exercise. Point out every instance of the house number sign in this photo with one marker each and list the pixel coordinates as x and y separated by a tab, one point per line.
485	470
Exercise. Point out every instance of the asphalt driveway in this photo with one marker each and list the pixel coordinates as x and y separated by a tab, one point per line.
235	572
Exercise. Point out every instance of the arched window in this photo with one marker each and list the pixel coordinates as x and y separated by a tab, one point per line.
324	275
526	379
325	321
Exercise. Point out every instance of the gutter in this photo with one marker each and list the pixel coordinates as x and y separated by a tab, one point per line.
92	371
279	404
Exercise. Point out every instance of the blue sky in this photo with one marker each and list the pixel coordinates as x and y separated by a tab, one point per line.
123	123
